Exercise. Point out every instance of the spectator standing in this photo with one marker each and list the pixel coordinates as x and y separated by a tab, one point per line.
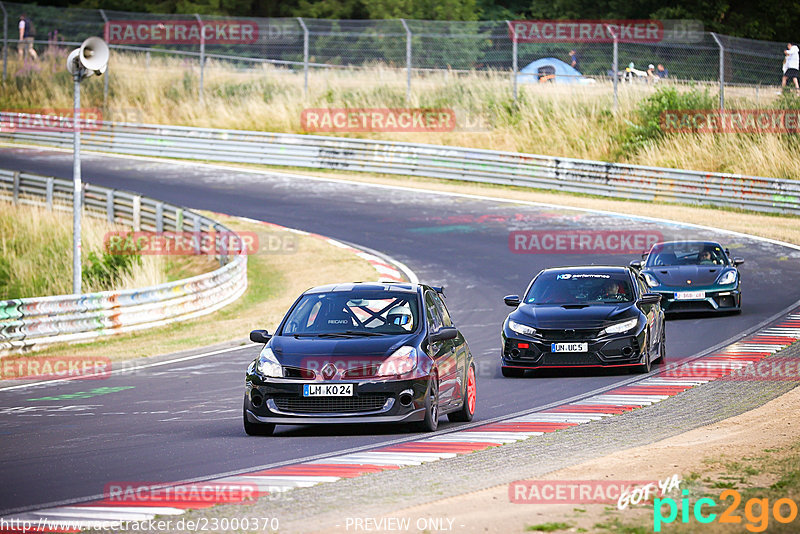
651	74
661	72
792	54
573	60
26	33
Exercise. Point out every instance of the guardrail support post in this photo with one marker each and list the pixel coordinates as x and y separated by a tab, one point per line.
110	206
15	189
202	53
5	40
305	55
514	57
106	73
137	213
721	71
179	220
160	217
48	193
197	231
408	60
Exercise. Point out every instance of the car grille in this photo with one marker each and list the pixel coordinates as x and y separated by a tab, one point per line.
298	372
569	335
570	358
362	403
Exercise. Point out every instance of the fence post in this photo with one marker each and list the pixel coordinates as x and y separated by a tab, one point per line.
137	213
408	60
159	217
721	71
15	189
305	55
514	56
615	65
49	194
5	40
106	74
110	206
202	52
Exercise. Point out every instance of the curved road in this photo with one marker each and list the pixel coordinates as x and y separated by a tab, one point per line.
183	420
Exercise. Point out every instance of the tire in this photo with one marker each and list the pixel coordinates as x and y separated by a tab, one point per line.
510	372
431	421
467	410
645	367
256	429
662	347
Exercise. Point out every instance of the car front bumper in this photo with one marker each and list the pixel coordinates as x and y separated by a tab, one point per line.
715	300
373	401
609	351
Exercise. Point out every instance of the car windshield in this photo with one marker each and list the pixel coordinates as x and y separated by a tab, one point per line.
689	253
353	313
564	288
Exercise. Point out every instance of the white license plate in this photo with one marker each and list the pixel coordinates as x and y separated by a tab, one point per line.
690	295
327	390
569	347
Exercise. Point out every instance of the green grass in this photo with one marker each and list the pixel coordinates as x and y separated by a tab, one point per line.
548	527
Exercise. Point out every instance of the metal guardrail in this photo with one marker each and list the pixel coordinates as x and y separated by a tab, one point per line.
29	322
487	166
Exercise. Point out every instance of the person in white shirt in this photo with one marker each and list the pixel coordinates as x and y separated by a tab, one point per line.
792	65
25	45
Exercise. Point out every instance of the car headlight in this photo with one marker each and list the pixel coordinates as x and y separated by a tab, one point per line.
268	365
619	328
727	278
401	362
521	328
650	279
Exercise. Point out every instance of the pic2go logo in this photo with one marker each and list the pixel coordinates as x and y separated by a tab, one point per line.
756	511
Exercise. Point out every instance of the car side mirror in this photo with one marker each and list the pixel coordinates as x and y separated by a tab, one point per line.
650	298
511	300
260	336
445	333
636	264
738	261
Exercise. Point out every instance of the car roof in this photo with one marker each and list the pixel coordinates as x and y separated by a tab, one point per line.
365	286
590	269
688	242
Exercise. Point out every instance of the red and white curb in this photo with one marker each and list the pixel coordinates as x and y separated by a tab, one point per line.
719	364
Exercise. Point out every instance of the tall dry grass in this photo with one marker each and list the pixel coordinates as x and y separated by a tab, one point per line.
561	120
36	253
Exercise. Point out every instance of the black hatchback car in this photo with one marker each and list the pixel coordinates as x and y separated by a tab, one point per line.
361	353
583	317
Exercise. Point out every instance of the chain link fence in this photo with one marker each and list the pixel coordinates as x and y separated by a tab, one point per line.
416	47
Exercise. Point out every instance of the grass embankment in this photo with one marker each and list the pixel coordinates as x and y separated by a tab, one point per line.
36	256
274	281
573	121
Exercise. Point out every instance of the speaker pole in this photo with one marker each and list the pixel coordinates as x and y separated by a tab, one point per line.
77	197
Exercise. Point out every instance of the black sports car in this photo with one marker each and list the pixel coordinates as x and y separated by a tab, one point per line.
357	353
583	317
693	276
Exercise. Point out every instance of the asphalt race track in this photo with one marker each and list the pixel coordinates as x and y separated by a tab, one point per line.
183	421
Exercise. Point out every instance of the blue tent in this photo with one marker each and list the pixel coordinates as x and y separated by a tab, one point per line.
550	68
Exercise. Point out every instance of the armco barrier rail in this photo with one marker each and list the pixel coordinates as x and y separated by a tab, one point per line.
29	322
487	166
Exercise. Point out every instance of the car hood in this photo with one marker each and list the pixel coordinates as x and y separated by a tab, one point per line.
677	275
298	352
591	316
